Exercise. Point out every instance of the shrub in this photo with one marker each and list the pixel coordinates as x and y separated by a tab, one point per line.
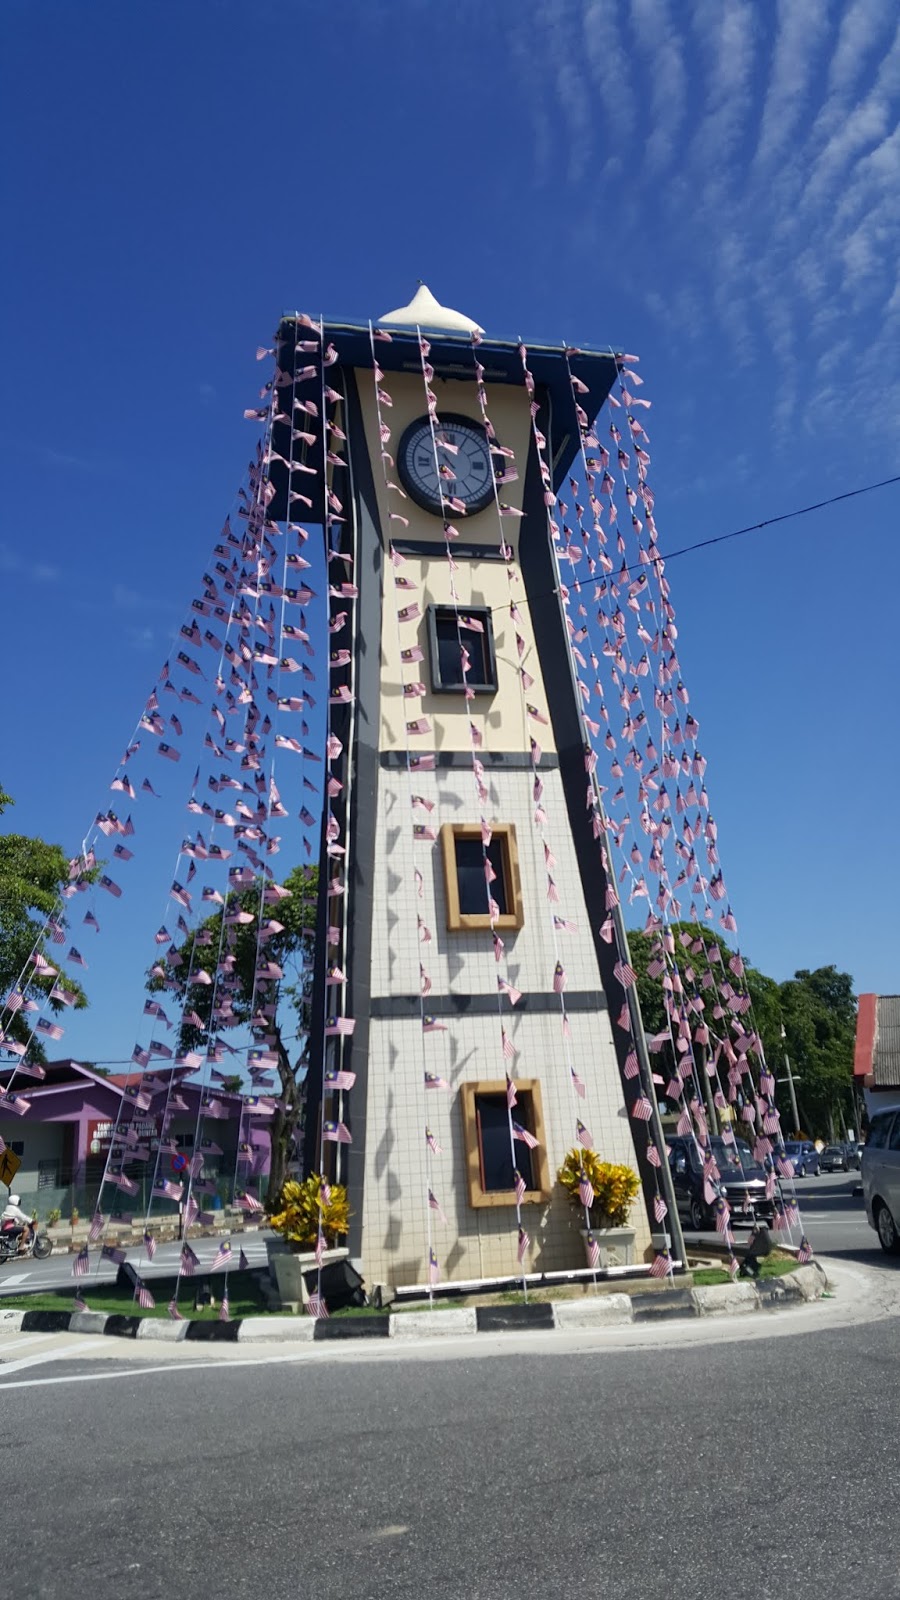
614	1187
304	1205
53	1217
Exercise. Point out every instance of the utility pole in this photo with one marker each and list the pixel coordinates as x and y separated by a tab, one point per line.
790	1080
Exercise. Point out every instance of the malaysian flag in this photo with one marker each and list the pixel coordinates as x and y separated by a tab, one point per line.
110	1253
523	1245
243	1263
81	1266
96	1227
661	1265
150	1246
577	1083
174	1312
733	1267
522	1133
660	1209
583	1135
432	1143
79	1304
653	1155
625	974
189	1261
509	1049
723	1216
435	1205
510	1092
144	1298
593	1251
434	1270
585	1190
222	1256
224	1314
315	1306
519	1185
559	978
805	1251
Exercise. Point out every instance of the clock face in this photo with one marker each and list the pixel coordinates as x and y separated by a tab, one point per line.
459	471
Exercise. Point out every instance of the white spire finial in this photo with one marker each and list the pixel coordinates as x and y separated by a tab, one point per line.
427	312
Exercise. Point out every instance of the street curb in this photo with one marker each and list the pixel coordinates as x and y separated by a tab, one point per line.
726	1299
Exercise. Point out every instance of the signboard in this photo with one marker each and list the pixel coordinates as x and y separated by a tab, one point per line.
99	1133
9	1166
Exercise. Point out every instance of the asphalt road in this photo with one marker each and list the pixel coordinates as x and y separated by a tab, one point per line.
23	1277
758	1470
833	1217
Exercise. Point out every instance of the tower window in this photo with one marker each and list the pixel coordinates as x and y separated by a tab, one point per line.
475	874
450	633
492	1155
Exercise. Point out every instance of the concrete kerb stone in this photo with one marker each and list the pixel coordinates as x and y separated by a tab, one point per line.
254	1329
603	1312
434	1324
727	1299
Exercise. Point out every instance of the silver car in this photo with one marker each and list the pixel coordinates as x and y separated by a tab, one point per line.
881	1177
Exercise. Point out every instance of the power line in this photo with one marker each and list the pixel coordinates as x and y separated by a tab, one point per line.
722	538
785	516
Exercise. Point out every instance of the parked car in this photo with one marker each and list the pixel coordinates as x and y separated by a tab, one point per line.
881	1177
853	1156
804	1158
834	1158
742	1182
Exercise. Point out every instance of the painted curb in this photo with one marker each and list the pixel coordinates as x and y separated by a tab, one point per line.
727	1299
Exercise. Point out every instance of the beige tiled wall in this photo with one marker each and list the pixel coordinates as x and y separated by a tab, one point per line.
399	1168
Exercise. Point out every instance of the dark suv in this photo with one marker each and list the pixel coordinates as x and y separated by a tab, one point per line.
742	1181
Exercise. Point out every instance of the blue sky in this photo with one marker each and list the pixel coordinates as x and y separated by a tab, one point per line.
714	184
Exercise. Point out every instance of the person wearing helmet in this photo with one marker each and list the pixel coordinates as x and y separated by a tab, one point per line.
16	1221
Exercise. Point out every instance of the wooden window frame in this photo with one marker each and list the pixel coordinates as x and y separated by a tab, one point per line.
463	922
540	1164
483	615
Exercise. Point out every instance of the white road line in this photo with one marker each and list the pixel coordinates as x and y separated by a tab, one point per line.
140	1372
17	1344
19	1277
36	1361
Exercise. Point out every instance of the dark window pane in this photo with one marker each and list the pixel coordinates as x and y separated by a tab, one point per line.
470	880
879	1131
493	1131
450	639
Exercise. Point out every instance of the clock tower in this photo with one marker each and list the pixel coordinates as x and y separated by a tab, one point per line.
466	1000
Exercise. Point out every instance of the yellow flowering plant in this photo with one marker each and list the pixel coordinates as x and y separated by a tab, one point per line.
614	1187
304	1205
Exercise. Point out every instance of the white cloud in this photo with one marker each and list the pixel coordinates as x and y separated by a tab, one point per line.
35	571
802	27
662	46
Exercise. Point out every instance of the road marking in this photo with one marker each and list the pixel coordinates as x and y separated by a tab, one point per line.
140	1372
18	1344
19	1277
36	1361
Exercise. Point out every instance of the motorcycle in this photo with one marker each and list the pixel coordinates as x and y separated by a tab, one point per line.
38	1246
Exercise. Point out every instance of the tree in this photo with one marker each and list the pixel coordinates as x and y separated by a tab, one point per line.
33	875
819	1015
297	916
817	1011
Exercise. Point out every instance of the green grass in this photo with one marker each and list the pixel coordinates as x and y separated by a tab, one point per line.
772	1267
244	1298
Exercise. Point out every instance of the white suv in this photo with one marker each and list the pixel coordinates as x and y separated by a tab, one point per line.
881	1177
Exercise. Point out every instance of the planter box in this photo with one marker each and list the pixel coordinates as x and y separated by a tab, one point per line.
616	1246
287	1266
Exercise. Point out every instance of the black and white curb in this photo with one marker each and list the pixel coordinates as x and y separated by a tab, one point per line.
600	1311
